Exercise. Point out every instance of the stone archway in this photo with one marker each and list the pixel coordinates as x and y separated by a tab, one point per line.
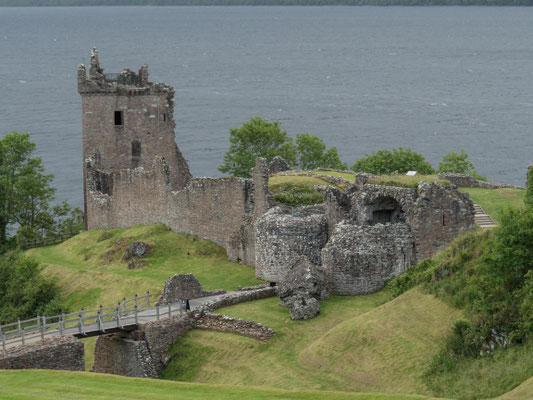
385	209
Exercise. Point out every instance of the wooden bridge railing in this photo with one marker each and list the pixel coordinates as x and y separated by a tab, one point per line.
84	321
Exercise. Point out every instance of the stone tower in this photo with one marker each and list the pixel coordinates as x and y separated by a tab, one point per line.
128	120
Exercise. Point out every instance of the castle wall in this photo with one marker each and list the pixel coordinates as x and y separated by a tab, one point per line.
215	209
282	238
359	259
440	214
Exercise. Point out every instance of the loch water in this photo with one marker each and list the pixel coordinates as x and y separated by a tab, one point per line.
433	79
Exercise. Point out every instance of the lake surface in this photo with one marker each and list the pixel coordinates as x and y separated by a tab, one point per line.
361	78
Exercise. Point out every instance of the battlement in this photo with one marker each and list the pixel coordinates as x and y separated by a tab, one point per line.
125	82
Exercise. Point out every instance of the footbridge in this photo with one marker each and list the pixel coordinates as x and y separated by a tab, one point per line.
124	317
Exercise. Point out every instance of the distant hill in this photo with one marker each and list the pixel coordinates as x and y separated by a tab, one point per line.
35	3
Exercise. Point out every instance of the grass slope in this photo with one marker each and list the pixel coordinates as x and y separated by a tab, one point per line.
90	270
521	392
39	384
349	346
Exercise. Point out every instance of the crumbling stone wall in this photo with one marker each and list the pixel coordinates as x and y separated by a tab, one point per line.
359	259
62	352
243	327
281	238
184	286
465	180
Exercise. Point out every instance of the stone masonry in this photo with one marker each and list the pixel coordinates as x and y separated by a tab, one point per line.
359	259
281	238
62	352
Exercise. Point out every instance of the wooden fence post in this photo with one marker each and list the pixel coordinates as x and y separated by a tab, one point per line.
62	322
136	315
157	310
43	327
3	340
147	299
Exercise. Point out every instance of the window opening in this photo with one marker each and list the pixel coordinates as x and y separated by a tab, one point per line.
119	118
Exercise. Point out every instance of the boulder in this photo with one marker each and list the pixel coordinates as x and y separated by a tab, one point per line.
303	279
303	307
137	250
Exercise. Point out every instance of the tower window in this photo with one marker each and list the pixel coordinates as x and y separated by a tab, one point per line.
444	220
119	118
165	117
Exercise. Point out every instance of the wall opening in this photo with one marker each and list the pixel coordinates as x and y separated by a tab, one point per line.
135	153
165	117
119	118
386	210
443	220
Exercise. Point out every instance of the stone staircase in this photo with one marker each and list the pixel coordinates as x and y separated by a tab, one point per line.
482	219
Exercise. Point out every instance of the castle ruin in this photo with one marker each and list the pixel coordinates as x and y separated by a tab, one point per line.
134	173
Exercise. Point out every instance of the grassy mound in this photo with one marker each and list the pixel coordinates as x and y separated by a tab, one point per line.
405	181
296	190
91	271
354	344
48	385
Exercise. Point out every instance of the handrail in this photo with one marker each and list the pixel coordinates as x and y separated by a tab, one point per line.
75	323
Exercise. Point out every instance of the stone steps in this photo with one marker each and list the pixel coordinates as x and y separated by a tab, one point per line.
482	219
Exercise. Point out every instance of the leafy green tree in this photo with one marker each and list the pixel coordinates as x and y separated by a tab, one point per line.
256	138
24	291
26	194
396	161
312	153
459	164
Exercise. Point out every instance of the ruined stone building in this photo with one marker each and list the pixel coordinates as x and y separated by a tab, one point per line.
135	174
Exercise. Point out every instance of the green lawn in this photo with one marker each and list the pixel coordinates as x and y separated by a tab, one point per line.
361	343
494	200
48	385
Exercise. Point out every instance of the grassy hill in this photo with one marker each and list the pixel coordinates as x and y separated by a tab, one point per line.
361	343
91	271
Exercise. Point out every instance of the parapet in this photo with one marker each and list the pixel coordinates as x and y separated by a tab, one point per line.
125	82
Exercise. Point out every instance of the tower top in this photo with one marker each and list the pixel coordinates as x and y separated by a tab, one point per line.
125	82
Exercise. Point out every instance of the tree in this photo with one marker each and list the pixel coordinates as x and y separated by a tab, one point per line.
256	138
396	161
24	292
312	153
458	163
26	194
